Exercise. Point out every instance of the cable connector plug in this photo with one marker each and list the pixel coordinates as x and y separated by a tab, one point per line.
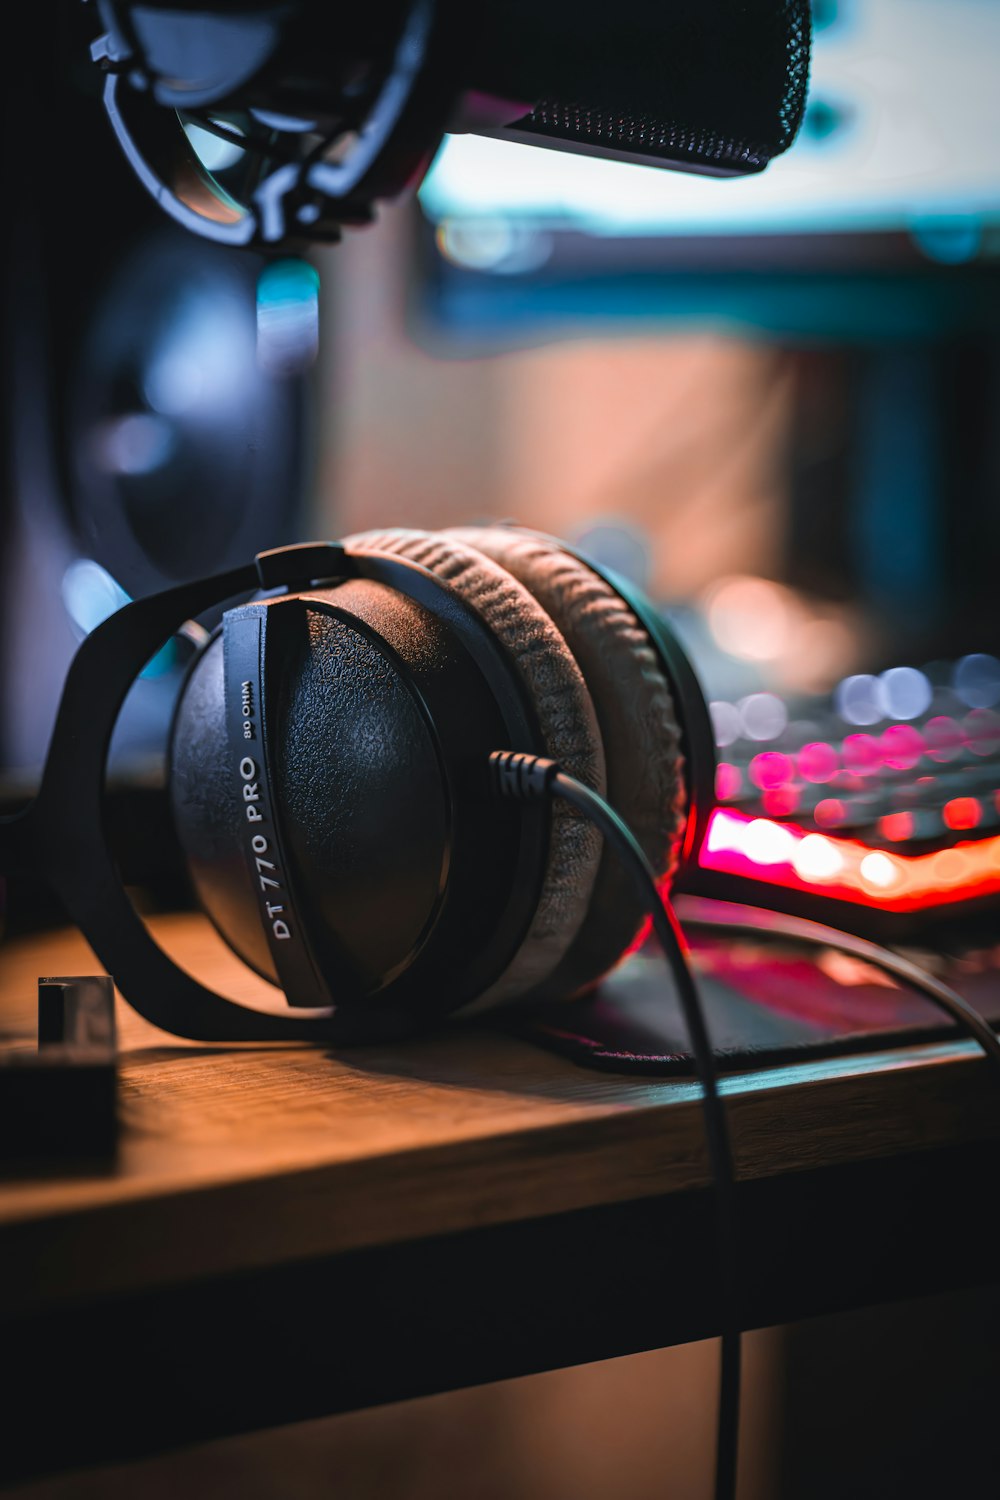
520	776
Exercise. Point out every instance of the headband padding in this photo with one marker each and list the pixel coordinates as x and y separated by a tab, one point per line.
638	724
568	724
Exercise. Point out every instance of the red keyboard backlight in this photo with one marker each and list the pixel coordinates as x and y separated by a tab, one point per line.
846	869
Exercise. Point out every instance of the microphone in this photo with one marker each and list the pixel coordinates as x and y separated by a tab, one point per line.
276	121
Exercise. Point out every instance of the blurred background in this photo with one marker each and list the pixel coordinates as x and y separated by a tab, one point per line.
770	401
773	402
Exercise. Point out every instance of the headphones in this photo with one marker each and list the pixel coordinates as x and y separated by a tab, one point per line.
330	788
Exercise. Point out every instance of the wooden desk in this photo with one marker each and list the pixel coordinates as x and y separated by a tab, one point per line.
286	1233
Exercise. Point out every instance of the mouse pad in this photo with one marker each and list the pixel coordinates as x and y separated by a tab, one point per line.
768	1001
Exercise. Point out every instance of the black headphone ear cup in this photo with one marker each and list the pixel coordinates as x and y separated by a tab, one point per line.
370	841
638	722
569	728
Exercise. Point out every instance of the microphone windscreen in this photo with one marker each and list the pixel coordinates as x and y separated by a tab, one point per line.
716	86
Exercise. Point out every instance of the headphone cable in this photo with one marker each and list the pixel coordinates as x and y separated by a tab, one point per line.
529	777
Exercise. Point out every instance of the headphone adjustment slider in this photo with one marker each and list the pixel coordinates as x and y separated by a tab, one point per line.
301	563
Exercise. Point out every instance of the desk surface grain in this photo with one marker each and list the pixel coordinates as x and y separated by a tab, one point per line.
234	1158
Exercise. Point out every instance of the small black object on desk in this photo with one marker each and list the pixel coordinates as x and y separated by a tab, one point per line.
59	1101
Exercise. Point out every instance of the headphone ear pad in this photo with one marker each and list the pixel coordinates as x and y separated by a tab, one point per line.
552	678
638	723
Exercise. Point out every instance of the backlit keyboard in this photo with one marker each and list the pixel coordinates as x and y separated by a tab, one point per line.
885	796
